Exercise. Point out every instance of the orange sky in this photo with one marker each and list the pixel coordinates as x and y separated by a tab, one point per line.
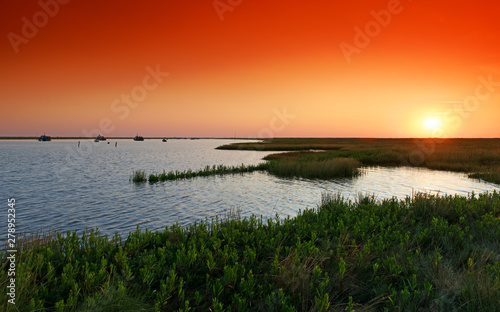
250	68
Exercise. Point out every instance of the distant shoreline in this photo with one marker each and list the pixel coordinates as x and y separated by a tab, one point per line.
233	138
128	138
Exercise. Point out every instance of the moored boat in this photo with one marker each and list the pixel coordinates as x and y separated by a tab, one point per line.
138	138
44	138
100	138
164	140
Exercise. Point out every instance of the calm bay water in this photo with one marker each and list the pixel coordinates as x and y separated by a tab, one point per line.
62	187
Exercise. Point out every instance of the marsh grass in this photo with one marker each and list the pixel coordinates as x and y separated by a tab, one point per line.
26	241
279	147
319	169
490	175
480	158
139	176
286	167
205	172
334	158
424	253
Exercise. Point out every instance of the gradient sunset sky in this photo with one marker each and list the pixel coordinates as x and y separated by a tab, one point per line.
250	68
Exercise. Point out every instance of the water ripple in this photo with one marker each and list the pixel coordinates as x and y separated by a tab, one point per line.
93	189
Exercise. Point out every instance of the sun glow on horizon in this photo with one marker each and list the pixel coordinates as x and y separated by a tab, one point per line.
432	123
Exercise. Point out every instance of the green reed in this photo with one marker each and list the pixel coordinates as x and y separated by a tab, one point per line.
319	169
207	171
139	176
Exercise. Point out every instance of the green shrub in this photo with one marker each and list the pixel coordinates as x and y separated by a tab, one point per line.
424	253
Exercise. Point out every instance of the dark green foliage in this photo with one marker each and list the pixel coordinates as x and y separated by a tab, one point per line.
114	299
424	253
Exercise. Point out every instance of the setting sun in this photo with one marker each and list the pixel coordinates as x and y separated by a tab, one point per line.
432	123
252	140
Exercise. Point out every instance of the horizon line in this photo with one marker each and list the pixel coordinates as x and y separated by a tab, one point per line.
232	138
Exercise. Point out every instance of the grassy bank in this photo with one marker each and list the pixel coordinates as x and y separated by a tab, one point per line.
315	169
290	168
490	175
286	145
478	157
140	176
424	253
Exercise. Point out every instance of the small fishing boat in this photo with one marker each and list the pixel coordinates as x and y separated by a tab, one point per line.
138	138
164	140
100	138
44	138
